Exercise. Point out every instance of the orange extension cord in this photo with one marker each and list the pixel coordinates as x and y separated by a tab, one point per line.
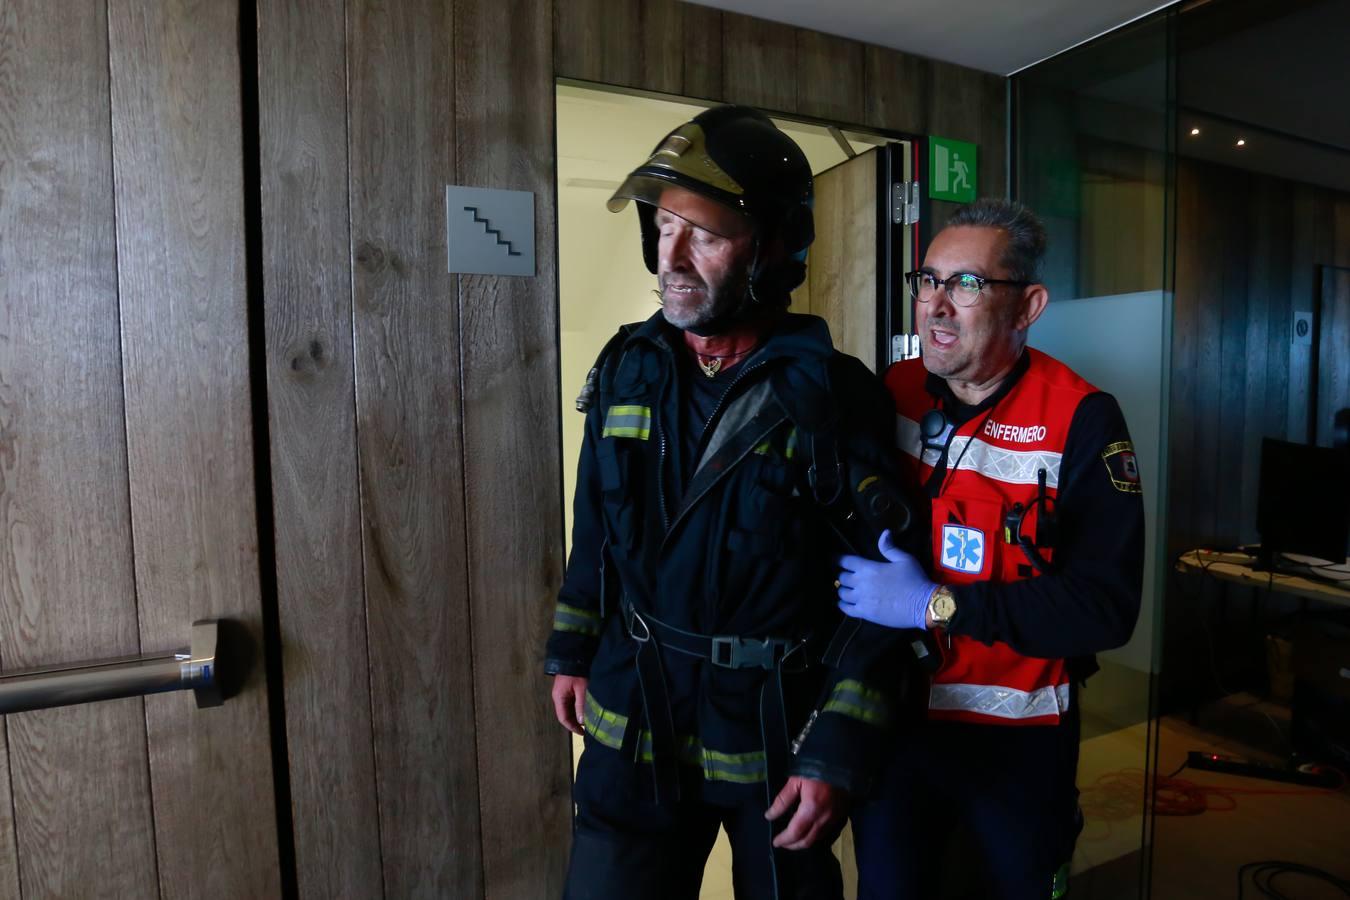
1116	795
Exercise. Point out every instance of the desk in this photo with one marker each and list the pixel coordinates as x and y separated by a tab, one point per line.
1237	568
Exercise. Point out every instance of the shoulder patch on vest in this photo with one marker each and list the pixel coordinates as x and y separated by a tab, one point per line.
1123	467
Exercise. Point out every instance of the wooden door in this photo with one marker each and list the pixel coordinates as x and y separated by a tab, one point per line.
127	493
860	252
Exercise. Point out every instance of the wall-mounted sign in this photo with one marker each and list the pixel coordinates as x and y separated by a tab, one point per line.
951	170
489	231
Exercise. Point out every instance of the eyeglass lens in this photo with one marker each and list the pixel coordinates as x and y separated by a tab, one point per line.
962	288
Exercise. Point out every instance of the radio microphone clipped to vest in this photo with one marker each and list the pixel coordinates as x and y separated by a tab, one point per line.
1047	526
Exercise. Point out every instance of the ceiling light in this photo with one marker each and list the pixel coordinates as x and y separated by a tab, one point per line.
1242	142
1194	132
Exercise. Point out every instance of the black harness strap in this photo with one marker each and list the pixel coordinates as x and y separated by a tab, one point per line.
728	651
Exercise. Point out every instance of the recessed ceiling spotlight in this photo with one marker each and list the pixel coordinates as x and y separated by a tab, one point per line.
1241	142
1194	132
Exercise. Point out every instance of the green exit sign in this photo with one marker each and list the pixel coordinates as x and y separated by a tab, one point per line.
951	170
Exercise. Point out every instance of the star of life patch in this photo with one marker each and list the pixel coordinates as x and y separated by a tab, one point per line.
963	549
1123	467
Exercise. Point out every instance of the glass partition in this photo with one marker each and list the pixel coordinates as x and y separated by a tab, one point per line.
1091	153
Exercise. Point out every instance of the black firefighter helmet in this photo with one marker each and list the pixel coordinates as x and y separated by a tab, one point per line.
737	157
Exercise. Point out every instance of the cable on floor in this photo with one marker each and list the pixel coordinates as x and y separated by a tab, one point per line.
1263	874
1117	795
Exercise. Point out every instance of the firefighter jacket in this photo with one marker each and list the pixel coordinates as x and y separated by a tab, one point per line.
722	588
1037	523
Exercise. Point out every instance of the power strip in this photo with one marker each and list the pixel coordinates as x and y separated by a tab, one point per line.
1312	776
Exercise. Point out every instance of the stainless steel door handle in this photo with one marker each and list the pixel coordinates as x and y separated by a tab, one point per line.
193	668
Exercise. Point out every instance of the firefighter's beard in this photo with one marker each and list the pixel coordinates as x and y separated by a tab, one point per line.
692	304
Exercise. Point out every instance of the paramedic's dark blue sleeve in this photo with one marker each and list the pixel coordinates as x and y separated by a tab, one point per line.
1090	601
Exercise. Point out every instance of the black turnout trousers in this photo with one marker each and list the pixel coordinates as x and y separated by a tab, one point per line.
625	846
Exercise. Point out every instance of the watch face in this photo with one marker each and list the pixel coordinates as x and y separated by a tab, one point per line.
944	606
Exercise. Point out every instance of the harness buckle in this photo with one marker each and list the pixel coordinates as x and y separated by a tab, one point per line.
733	652
634	619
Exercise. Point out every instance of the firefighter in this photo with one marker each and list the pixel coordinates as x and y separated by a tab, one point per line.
1036	527
722	435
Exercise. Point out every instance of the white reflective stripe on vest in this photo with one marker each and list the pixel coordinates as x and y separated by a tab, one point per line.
1007	466
1000	702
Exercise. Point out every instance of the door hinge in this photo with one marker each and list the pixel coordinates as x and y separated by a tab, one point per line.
904	202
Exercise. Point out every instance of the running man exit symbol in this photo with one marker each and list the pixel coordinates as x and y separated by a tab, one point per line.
951	170
488	231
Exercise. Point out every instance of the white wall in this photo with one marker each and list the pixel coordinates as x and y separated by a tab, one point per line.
1119	343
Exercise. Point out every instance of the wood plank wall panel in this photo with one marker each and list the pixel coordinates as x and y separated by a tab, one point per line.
509	352
829	75
1266	375
1228	304
1311	222
302	82
759	59
731	58
1183	388
1247	256
81	798
1204	288
703	45
9	851
897	90
1248	252
402	154
969	105
1333	390
178	170
633	43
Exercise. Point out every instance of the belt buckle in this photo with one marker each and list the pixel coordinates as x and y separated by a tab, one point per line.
735	652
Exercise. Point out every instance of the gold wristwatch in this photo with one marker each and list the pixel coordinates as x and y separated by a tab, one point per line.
942	605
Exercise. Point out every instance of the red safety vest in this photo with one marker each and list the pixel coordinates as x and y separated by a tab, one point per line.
988	472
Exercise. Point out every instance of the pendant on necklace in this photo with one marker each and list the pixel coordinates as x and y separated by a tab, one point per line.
711	367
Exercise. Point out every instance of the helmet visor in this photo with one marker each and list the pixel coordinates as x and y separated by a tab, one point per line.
681	161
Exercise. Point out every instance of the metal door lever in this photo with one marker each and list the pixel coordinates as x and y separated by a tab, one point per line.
192	668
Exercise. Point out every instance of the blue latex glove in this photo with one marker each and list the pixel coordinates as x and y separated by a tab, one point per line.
893	593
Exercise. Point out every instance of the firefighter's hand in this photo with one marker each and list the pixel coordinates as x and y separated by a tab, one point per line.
820	807
569	701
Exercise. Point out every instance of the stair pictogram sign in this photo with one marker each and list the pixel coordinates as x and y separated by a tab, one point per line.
489	231
487	226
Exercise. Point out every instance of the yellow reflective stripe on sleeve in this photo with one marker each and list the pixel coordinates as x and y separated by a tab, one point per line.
628	422
608	728
575	619
854	699
790	450
738	768
605	726
687	749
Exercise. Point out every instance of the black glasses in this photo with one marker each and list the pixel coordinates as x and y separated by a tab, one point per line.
963	288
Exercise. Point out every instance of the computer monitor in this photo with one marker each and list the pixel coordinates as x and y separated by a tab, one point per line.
1303	503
